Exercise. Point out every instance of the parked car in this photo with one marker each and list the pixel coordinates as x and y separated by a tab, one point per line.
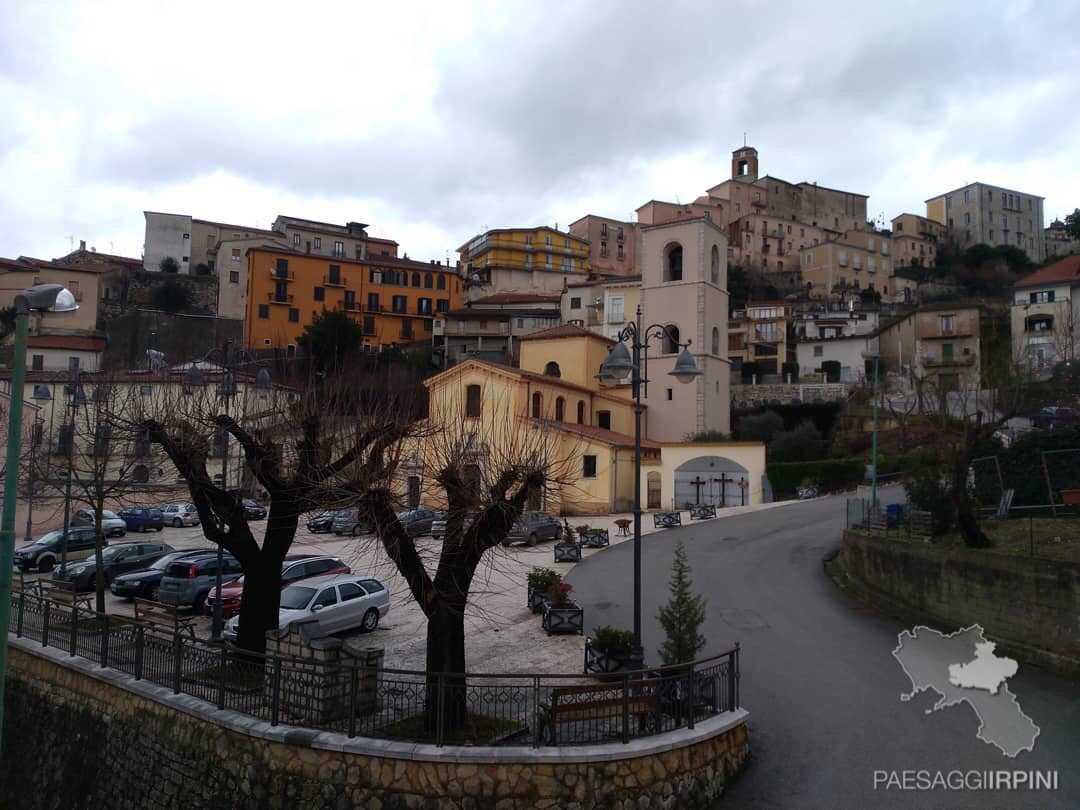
295	567
532	527
145	583
417	522
180	514
47	551
252	511
341	602
348	521
187	582
322	522
438	525
1053	416
111	523
143	518
116	560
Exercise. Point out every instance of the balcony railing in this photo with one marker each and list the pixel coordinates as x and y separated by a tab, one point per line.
282	275
329	282
949	362
274	298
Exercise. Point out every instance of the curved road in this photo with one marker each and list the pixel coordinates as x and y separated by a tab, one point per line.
818	675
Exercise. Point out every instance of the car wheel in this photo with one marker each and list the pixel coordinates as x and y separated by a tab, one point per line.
200	603
371	620
45	564
178	523
532	539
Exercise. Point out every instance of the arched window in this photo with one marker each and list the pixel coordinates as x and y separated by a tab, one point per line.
715	265
560	408
140	474
671	340
581	412
552	369
441	283
673	256
416	279
537	405
715	340
429	280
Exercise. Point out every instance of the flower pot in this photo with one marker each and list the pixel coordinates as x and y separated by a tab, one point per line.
600	662
537	600
596	538
564	619
567	552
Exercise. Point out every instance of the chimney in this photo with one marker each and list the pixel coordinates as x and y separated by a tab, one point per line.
82	244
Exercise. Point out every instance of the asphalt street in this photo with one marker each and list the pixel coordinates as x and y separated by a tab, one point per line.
818	675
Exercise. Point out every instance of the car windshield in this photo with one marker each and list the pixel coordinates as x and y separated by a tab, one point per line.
106	514
51	537
296	597
160	564
405	515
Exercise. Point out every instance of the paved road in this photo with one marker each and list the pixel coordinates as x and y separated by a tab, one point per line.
818	676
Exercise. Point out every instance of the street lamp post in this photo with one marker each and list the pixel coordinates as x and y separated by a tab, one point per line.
69	454
194	377
39	298
613	370
876	357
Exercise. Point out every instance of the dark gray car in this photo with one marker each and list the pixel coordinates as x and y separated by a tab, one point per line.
117	559
532	527
187	582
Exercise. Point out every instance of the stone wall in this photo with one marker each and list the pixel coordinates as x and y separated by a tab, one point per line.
77	736
125	290
181	337
743	396
1028	606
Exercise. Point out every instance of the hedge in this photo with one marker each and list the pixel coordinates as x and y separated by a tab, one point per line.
827	475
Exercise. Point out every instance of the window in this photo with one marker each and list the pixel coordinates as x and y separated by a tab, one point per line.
369	325
967	195
841	258
552	369
290	351
440	282
566	244
335	274
236	254
234	276
619	252
603	419
429	281
947	324
294	315
187	235
581	412
528	240
264	312
416	279
350	299
423	306
326	598
145	390
670	394
588	466
603	249
560	408
320	293
671	340
537	405
819	351
318	243
400	303
967	217
575	303
615	309
296	240
472	401
442	305
1042	297
339	248
715	265
715	340
549	240
567	264
603	229
406	327
281	293
349	591
547	260
37	362
673	261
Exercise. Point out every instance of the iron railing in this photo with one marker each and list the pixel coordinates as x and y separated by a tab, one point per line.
393	704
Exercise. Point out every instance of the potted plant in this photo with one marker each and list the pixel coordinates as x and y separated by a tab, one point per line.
595	538
561	613
567	549
609	650
540	580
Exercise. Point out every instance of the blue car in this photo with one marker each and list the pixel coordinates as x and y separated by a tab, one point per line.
143	519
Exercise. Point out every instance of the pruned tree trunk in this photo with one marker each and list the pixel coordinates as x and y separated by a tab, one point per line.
966	521
259	605
446	684
99	564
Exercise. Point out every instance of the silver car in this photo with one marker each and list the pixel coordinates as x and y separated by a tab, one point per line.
340	602
180	514
112	525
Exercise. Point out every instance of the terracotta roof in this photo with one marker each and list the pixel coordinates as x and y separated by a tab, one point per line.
564	331
83	256
383	261
527	375
517	298
605	436
81	343
500	313
28	264
1065	271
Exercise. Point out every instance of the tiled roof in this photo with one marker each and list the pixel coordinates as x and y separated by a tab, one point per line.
605	436
517	298
566	330
27	264
1065	271
82	343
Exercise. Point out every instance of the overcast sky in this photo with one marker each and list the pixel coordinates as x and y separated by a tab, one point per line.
432	124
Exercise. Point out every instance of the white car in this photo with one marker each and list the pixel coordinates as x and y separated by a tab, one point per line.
180	514
340	602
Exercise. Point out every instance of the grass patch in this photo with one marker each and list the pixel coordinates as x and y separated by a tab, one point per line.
477	729
1045	537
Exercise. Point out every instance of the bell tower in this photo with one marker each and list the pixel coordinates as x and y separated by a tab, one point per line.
744	163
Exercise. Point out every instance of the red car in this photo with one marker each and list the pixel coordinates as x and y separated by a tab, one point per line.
295	568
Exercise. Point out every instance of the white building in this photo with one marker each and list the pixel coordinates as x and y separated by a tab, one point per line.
1045	315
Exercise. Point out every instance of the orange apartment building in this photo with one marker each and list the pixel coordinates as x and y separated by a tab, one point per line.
394	300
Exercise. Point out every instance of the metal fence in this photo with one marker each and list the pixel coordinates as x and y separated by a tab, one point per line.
393	704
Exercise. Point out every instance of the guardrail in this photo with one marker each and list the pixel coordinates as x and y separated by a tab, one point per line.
528	710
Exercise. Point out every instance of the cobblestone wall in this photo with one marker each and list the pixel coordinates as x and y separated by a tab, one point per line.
80	737
751	395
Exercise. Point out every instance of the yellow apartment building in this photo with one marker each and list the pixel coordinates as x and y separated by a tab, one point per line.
523	260
857	260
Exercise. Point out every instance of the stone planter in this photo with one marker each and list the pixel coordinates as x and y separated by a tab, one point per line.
566	619
537	600
567	552
596	538
598	662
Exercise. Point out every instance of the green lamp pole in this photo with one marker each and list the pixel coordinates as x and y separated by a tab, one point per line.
875	356
41	298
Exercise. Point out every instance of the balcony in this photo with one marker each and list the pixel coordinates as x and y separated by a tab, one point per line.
282	275
475	328
274	298
350	306
957	361
329	282
374	308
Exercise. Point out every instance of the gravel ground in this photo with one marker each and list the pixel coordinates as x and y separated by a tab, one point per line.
502	635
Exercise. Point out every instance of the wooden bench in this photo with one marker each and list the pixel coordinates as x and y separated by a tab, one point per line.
706	510
162	615
63	592
666	520
575	704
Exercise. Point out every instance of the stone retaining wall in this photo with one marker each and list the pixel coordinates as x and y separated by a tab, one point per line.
80	736
747	396
1028	606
